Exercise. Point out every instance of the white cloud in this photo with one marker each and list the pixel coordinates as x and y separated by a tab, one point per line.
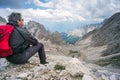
47	15
64	10
85	9
38	3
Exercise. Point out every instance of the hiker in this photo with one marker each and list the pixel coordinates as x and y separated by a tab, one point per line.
23	44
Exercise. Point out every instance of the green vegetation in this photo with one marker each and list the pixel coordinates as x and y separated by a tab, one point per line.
59	67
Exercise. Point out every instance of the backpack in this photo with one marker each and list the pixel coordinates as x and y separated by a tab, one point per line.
5	49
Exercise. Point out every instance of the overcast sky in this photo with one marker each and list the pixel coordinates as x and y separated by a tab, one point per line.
61	14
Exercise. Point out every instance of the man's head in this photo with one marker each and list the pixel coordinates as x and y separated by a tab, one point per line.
15	18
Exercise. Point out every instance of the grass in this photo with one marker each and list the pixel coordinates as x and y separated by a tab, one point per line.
59	67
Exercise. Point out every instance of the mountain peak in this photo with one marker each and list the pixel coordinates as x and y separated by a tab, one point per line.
108	32
113	19
40	32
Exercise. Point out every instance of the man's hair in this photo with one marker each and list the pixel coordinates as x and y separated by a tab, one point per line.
13	17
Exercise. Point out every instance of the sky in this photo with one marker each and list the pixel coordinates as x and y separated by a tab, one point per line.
61	15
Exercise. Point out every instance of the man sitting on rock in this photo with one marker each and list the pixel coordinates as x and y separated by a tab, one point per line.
23	44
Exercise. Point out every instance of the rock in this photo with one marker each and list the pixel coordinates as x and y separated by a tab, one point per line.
36	69
22	76
97	74
64	72
75	67
3	64
113	77
104	77
87	77
74	70
118	77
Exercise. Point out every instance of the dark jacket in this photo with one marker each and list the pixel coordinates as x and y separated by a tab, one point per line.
21	39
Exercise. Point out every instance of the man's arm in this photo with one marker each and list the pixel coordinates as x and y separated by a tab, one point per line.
27	36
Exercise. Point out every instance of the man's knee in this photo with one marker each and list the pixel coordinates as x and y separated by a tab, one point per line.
41	44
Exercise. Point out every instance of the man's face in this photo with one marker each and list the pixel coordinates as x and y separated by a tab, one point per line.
20	22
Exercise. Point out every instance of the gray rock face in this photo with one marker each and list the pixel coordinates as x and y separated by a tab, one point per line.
40	32
87	77
103	45
109	34
3	64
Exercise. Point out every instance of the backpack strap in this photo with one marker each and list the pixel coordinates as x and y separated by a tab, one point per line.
20	33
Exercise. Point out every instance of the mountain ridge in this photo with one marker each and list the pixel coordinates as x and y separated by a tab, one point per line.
102	45
72	36
40	32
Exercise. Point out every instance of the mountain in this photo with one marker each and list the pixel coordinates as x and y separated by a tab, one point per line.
102	45
80	31
70	39
109	34
40	32
2	20
74	35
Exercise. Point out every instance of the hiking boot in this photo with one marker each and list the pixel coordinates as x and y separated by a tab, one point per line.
44	62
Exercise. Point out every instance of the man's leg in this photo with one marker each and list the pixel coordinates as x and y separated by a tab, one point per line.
21	58
42	55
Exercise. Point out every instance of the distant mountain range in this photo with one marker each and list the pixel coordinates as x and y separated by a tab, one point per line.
80	31
74	35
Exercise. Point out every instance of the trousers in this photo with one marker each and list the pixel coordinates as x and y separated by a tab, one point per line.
23	57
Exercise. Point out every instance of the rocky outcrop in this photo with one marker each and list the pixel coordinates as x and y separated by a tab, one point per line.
74	70
32	71
40	32
56	38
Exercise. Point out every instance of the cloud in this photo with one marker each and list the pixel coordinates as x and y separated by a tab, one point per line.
87	9
66	11
45	15
12	3
63	10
